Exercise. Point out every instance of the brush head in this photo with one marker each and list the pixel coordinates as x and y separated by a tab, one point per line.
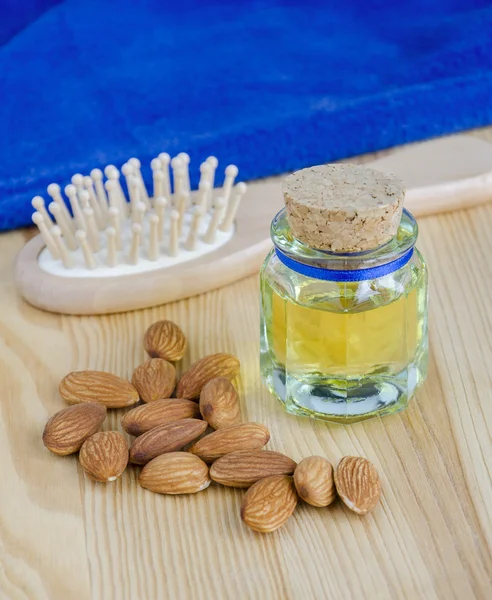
110	266
113	234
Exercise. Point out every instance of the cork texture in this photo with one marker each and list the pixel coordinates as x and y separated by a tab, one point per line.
343	208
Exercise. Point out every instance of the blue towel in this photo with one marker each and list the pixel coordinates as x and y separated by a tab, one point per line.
269	85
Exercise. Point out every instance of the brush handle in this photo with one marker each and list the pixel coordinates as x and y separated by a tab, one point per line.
442	174
448	196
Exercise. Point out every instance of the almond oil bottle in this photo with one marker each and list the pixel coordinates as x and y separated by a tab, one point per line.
343	297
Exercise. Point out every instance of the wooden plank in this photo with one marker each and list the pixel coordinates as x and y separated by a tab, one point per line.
43	551
62	536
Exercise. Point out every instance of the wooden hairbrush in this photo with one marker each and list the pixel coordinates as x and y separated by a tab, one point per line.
117	251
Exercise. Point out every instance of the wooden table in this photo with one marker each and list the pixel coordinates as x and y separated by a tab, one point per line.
63	537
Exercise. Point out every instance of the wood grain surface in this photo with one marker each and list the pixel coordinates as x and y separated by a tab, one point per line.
64	537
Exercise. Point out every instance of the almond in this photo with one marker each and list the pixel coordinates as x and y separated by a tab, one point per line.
165	438
104	456
313	479
142	418
175	473
219	403
269	503
245	436
242	469
68	429
358	484
165	339
155	379
97	386
205	369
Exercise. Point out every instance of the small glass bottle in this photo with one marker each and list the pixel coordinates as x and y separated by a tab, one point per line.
343	297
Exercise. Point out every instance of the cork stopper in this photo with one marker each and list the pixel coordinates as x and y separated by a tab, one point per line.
343	208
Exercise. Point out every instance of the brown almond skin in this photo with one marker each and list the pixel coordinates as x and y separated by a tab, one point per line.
244	436
219	403
155	379
165	438
175	473
165	339
205	369
145	417
358	484
313	479
68	429
104	456
242	469
98	386
269	503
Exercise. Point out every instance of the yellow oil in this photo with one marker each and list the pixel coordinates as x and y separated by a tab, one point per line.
314	338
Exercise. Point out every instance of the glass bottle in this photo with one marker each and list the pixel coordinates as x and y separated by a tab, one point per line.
344	334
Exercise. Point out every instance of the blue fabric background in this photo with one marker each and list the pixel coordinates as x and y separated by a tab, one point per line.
269	85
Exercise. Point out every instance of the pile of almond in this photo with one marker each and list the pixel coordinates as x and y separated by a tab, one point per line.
169	442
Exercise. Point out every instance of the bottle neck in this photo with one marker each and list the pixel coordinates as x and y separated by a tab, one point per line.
334	266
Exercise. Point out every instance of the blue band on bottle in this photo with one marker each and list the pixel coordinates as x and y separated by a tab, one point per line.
344	275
